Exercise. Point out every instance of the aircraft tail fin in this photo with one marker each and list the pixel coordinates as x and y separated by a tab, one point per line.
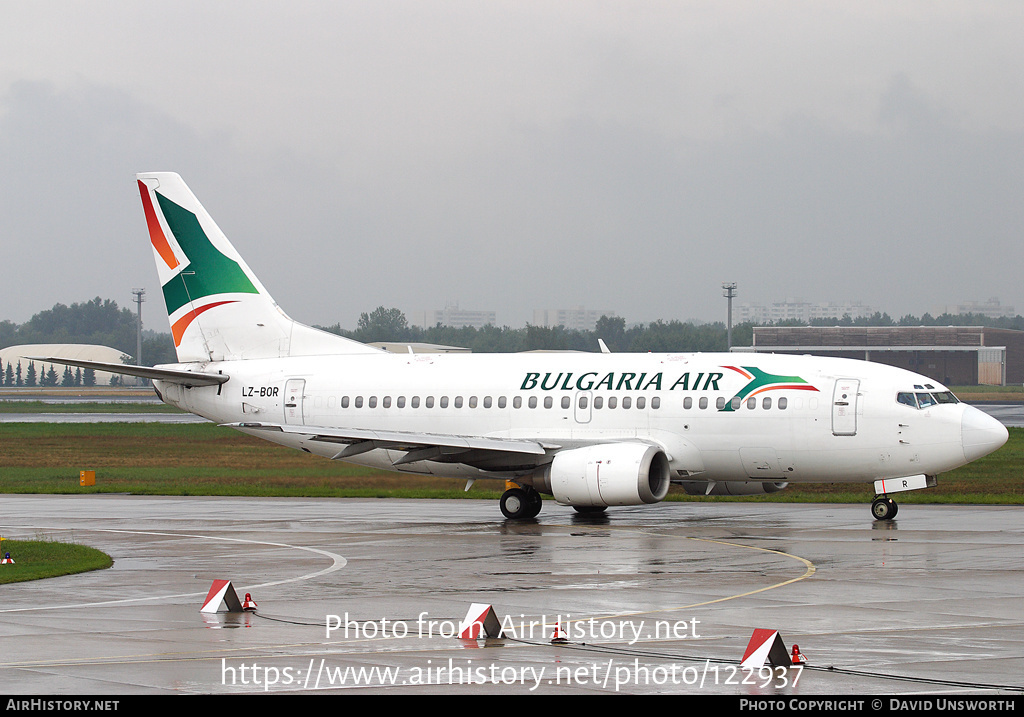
217	308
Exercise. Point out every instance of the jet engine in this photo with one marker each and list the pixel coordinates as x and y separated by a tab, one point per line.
731	487
606	474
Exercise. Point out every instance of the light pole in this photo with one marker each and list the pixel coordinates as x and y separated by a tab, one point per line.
729	291
140	296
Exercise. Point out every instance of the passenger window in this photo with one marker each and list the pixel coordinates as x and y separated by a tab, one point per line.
627	402
613	402
783	402
641	402
386	402
430	402
372	403
502	402
401	402
458	401
444	402
472	401
703	403
415	401
766	403
598	402
687	403
344	401
583	401
656	403
751	402
517	402
736	403
533	402
548	402
566	402
487	401
359	401
720	403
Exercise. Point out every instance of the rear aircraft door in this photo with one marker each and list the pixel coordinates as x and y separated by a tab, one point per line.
293	389
844	407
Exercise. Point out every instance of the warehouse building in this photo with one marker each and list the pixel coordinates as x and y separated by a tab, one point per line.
953	355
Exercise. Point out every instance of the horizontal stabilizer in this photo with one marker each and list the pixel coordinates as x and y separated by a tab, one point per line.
170	375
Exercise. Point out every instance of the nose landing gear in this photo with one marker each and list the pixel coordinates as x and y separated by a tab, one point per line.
884	508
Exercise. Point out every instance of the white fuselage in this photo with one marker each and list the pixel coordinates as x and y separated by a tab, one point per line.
816	420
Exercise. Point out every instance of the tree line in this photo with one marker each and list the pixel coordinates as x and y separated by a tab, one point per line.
390	324
12	375
102	322
99	321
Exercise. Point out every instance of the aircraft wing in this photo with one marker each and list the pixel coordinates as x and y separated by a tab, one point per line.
481	452
185	378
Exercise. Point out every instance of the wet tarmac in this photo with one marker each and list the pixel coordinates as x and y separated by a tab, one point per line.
660	599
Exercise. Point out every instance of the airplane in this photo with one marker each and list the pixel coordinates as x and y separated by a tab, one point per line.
593	430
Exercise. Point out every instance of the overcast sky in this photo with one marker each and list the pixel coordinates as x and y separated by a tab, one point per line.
520	155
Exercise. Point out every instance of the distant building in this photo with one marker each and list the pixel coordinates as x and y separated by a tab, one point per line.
399	347
452	315
953	355
798	310
992	309
85	352
578	318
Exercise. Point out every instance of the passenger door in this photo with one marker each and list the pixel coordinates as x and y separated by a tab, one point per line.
293	398
844	407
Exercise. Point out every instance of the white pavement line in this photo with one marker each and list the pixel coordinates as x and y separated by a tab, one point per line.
338	563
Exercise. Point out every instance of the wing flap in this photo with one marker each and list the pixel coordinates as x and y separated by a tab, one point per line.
416	446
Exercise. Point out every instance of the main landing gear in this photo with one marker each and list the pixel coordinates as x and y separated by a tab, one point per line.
521	503
884	508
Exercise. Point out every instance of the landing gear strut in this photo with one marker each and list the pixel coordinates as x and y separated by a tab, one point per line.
884	508
521	503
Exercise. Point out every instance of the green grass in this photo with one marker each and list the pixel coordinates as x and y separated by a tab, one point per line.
1007	394
36	559
205	459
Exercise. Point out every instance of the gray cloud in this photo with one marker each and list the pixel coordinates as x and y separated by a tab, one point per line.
515	158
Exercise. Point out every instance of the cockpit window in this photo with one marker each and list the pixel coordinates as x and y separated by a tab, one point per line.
924	400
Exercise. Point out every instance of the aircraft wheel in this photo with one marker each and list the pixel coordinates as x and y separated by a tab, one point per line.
516	504
884	508
535	503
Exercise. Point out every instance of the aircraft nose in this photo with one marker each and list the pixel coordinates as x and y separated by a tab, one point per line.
980	433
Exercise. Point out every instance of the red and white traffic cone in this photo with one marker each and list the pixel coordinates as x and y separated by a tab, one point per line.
798	657
249	605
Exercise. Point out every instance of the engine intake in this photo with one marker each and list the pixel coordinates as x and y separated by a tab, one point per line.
606	474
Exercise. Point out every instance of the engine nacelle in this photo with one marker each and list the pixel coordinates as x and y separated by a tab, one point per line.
607	474
731	487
